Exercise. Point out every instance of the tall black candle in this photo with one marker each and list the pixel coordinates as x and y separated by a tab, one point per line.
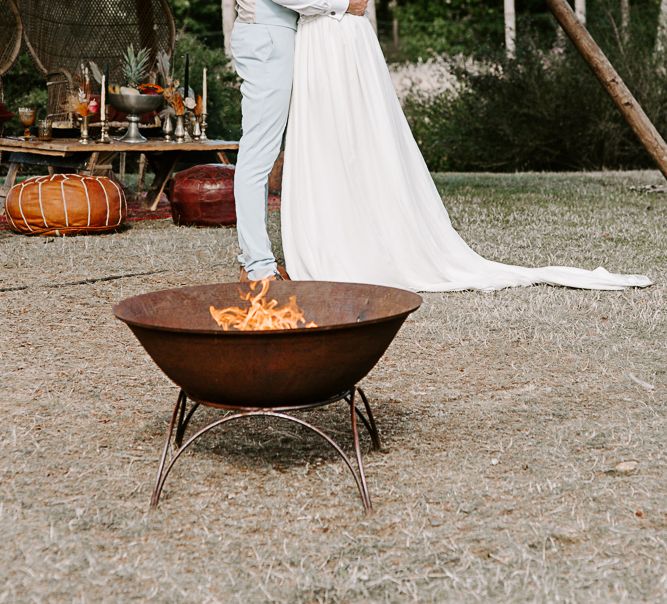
106	74
186	79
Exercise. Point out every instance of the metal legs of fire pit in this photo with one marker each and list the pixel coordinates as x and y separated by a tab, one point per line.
174	446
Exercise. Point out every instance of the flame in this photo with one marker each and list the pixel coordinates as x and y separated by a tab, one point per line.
262	314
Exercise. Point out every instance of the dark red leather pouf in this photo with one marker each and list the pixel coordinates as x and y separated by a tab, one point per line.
203	196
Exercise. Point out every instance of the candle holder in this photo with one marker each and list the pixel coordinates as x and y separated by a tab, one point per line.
105	139
196	129
168	128
203	125
179	131
85	136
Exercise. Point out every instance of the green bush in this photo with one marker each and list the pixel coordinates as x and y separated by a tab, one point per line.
428	28
23	86
545	110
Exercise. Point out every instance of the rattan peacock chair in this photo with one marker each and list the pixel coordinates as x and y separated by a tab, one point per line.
11	30
63	34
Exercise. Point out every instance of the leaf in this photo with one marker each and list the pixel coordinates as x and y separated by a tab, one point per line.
95	70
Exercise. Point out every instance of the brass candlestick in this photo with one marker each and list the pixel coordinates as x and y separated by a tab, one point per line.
85	136
196	129
104	134
179	130
167	128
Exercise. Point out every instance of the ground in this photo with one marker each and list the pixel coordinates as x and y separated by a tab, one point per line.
524	430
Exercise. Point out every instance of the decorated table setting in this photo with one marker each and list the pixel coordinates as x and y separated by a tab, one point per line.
177	126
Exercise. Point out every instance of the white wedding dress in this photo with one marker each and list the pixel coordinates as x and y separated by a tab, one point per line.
359	204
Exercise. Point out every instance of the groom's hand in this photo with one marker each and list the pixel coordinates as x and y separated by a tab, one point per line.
357	7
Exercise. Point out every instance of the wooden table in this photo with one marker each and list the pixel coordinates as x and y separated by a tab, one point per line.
66	152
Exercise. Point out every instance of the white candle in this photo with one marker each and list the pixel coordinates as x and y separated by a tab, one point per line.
204	91
103	100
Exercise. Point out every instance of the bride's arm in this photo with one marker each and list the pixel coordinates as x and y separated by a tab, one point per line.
333	8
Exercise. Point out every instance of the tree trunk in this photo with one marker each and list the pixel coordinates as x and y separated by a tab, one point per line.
228	17
580	10
510	29
625	20
626	103
372	14
661	37
394	25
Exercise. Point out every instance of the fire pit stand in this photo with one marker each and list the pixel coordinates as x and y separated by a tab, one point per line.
174	445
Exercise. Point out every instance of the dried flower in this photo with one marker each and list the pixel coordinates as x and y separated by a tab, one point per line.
199	107
150	89
80	104
174	98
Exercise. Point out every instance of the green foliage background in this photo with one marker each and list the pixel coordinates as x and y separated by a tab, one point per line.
542	111
545	110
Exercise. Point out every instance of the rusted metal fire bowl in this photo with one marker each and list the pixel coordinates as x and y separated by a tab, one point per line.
356	324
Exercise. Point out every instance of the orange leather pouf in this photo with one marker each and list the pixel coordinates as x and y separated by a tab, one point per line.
65	204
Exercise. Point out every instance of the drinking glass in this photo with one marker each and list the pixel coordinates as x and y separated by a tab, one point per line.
27	118
44	130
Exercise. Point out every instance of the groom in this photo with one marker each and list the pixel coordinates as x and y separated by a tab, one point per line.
263	49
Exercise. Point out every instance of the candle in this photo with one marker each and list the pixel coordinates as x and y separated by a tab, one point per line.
103	100
106	73
204	91
186	79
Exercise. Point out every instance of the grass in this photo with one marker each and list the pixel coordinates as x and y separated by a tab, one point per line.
508	419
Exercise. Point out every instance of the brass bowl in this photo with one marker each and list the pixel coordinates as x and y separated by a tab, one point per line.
136	103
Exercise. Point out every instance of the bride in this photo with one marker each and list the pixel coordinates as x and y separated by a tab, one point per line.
359	203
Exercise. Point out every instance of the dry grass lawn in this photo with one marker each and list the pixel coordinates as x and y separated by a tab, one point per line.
524	430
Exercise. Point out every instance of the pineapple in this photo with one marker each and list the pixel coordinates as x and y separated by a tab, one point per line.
135	66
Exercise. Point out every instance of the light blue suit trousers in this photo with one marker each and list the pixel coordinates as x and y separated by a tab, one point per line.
264	59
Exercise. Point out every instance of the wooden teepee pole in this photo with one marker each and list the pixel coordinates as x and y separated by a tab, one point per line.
627	104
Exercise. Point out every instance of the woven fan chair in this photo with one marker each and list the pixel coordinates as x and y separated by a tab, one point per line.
63	34
11	30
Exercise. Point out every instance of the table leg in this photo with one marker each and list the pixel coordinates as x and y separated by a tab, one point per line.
10	179
92	162
163	166
222	158
142	173
100	163
121	167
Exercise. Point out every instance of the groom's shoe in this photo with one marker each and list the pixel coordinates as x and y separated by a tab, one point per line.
279	275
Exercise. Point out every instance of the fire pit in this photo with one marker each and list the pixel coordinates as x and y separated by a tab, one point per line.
268	373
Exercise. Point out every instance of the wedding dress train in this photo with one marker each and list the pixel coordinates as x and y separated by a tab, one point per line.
359	203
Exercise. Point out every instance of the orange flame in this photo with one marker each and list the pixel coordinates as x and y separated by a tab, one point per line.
262	314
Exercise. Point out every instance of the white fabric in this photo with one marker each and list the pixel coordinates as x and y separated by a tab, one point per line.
359	204
333	8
